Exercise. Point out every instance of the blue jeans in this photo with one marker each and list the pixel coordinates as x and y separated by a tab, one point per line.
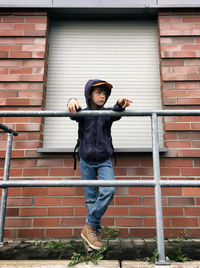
97	200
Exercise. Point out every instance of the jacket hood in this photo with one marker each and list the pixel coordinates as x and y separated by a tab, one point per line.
88	88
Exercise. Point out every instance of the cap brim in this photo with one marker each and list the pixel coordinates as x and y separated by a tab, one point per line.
109	86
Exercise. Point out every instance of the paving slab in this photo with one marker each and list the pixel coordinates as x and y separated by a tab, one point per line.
56	264
139	264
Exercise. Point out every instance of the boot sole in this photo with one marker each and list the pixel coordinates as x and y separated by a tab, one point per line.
92	246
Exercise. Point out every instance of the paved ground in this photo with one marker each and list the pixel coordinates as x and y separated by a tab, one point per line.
122	253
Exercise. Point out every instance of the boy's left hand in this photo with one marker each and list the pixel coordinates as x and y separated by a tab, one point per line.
123	102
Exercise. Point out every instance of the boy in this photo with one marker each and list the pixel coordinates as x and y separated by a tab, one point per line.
95	150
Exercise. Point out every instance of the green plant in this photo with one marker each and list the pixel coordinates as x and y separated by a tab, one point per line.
110	233
58	245
92	256
176	254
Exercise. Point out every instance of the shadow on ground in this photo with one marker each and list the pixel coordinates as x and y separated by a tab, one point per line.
120	249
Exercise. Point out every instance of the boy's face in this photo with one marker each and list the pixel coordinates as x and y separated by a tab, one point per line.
98	96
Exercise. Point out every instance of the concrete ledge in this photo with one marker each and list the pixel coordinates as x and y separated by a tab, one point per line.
135	264
56	264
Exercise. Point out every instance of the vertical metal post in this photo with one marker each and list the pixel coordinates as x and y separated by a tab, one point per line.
5	190
158	196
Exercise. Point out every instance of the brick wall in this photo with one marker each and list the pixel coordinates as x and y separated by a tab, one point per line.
180	75
60	212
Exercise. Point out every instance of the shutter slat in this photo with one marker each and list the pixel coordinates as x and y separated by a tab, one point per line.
125	54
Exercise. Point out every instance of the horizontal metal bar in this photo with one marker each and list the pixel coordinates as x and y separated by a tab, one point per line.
63	113
9	130
183	183
71	183
117	183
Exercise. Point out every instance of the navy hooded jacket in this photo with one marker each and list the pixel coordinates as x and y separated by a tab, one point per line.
95	142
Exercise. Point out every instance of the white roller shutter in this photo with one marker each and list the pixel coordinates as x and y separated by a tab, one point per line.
124	53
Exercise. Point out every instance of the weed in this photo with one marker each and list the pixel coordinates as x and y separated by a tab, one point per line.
92	256
110	234
176	254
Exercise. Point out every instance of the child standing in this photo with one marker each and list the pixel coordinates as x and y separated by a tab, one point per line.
95	150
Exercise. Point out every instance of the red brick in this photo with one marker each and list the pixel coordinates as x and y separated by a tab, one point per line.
171	191
32	63
31	77
127	162
33	172
150	222
180	201
172	211
187	85
28	233
141	191
14	19
80	211
10	48
190	171
189	153
21	71
31	212
50	162
140	171
34	191
192	211
34	33
27	127
184	54
141	211
143	232
195	126
19	202
45	222
27	145
190	19
169	19
73	201
73	222
177	126
23	26
20	54
180	163
117	211
120	171
129	222
61	172
47	201
14	192
18	222
67	232
36	19
191	191
194	232
172	232
61	191
12	212
23	163
64	211
10	233
184	222
69	162
124	200
79	191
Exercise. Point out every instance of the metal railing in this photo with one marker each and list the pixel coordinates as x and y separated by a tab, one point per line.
156	183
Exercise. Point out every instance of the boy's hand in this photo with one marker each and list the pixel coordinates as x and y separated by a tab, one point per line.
123	102
73	106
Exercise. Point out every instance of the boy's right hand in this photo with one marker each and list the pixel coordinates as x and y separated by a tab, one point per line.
73	106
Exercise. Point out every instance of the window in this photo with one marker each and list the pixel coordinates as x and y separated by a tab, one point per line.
124	53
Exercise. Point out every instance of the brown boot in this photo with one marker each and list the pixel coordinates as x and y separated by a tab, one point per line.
89	235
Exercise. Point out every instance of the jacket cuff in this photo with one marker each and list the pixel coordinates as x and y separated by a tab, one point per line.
118	108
